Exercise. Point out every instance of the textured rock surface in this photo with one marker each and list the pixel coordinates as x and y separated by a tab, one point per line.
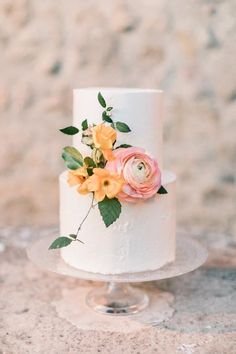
186	48
33	313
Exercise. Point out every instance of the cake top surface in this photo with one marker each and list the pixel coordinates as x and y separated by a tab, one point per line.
119	90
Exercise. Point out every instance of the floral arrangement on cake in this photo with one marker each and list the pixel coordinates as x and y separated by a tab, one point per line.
110	174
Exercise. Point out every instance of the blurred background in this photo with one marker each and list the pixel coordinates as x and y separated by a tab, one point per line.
186	48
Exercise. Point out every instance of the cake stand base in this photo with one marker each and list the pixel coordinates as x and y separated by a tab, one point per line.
117	299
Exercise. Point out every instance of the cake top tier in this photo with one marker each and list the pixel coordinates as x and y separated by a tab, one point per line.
141	109
116	90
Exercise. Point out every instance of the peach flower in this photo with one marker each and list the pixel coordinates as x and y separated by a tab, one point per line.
103	184
104	137
77	176
139	170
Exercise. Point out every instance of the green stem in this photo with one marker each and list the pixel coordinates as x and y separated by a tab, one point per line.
81	224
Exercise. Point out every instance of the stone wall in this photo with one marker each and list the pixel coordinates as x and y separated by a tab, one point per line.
187	48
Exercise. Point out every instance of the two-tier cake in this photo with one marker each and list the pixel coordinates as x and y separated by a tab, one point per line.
143	236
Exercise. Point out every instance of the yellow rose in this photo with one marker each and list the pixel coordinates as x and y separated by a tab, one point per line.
104	138
102	183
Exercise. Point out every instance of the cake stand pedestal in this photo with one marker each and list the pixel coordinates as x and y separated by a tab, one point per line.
118	297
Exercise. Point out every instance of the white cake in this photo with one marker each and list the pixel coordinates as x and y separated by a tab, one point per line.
143	238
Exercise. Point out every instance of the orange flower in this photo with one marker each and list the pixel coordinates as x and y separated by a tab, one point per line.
103	184
77	176
108	155
104	138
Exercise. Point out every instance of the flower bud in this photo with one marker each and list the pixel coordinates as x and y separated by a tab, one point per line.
87	137
96	155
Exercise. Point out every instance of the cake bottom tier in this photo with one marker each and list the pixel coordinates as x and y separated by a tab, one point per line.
142	239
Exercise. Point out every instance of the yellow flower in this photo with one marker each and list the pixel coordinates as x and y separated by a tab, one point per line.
77	176
103	184
104	138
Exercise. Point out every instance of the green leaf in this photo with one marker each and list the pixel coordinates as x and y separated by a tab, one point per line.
101	164
90	171
122	127
89	162
84	124
69	130
74	153
113	125
70	162
72	165
109	108
162	190
110	210
124	146
60	242
101	100
73	236
72	157
106	118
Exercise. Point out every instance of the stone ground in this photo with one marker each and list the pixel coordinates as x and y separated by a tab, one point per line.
200	307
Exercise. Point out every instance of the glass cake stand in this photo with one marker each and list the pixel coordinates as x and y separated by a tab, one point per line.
117	296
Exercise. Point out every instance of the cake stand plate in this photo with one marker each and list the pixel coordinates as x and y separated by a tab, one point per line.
118	297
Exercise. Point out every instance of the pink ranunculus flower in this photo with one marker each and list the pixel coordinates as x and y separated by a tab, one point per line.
139	170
